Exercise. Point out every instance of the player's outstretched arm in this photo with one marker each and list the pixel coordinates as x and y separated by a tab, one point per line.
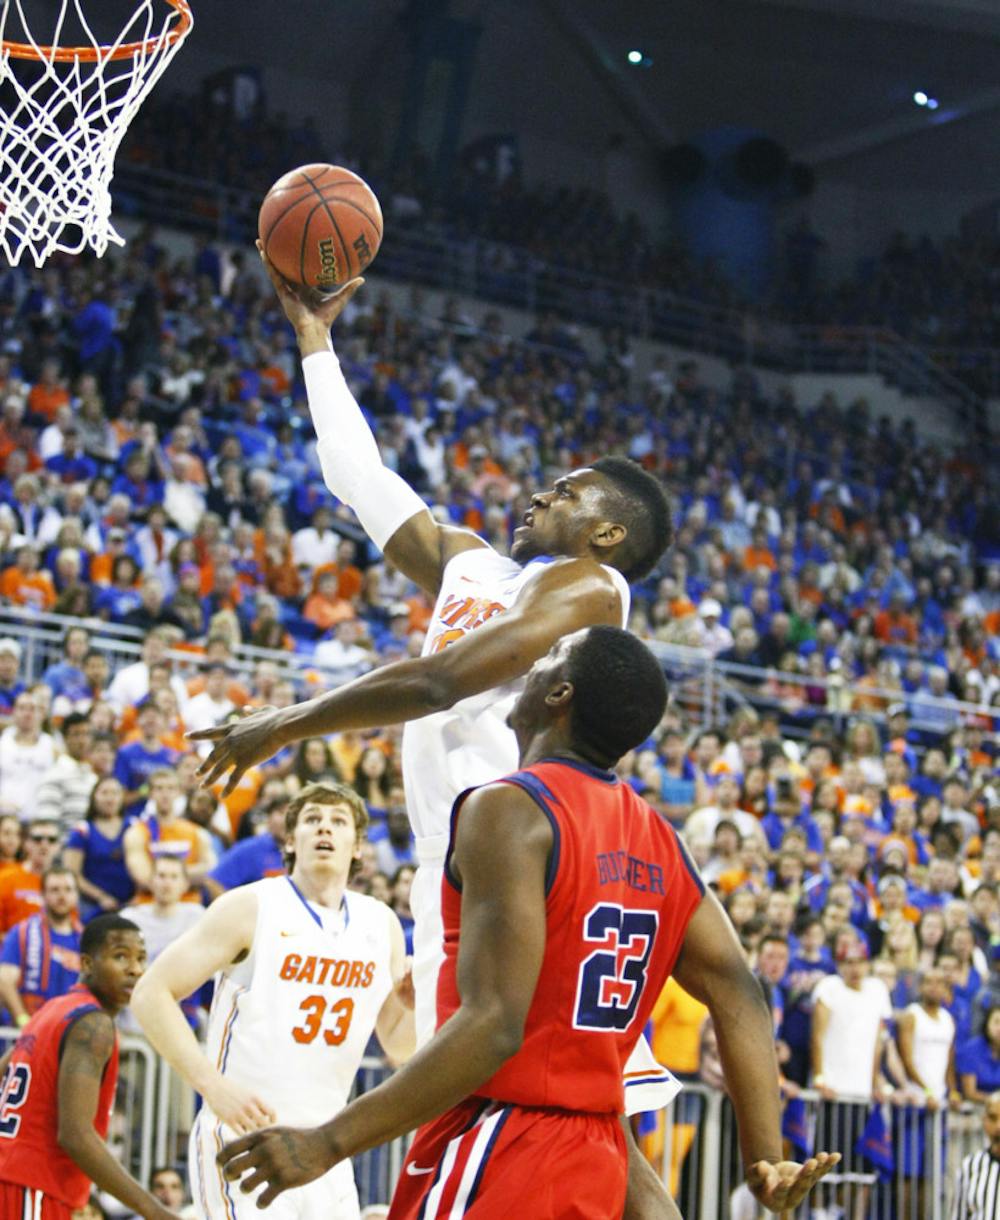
396	1026
390	511
564	597
222	936
500	956
712	968
87	1048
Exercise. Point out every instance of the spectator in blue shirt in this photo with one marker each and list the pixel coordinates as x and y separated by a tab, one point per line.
137	760
397	847
978	1062
66	677
257	442
40	956
251	859
10	687
95	851
72	465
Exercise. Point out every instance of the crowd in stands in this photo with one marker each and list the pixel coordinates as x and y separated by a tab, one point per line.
157	472
940	294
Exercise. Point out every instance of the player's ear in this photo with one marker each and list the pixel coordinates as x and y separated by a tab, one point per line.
561	695
607	534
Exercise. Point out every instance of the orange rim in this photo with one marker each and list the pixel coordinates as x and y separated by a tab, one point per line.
128	50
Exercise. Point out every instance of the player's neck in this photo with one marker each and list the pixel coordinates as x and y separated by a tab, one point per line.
555	745
323	888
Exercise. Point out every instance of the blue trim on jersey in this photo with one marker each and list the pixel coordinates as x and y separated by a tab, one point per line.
541	795
507	1111
595	772
689	864
312	914
662	1078
301	897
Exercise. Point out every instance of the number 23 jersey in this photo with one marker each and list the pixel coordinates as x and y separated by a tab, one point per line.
291	1021
620	892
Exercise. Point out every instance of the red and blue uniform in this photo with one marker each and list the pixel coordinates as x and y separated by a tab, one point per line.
37	1178
620	892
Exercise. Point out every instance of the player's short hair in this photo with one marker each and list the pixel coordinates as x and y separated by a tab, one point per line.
325	794
619	693
638	502
96	933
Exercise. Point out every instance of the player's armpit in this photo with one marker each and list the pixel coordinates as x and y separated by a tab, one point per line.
214	942
421	548
564	597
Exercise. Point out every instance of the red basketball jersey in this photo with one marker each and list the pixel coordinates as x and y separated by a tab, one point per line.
29	1104
620	893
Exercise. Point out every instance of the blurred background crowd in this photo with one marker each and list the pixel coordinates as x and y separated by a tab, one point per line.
835	575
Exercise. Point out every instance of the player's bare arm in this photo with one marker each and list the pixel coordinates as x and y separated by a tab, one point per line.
221	937
395	1025
564	597
420	547
500	955
85	1054
646	1197
712	968
10	996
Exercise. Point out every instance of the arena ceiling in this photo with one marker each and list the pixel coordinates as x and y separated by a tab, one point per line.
831	79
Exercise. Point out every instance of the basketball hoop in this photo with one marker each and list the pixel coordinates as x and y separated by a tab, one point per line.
61	123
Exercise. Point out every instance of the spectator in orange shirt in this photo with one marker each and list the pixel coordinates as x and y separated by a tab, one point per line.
26	585
16	434
21	885
49	392
758	554
894	625
10	842
325	607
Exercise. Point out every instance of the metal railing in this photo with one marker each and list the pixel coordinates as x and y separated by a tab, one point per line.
706	690
515	277
901	1163
695	1144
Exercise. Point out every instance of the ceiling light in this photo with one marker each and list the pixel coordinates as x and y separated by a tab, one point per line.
932	103
635	57
921	98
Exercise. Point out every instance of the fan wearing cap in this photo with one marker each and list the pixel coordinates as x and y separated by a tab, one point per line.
709	631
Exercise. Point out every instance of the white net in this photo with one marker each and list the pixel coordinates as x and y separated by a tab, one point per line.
63	113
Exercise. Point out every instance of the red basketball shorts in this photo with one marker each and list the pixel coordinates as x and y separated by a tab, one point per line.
26	1203
492	1162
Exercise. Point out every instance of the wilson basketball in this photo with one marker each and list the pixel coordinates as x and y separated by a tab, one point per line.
320	225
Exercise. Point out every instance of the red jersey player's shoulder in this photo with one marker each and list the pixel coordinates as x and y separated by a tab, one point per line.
502	807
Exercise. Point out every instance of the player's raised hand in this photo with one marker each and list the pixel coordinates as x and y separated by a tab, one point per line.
239	745
280	1157
781	1185
238	1108
303	307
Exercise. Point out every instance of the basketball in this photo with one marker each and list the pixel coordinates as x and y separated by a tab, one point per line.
320	225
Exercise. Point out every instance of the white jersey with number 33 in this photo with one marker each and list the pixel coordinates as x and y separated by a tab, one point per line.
291	1022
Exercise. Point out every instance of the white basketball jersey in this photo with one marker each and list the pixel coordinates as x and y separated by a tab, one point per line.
291	1021
470	743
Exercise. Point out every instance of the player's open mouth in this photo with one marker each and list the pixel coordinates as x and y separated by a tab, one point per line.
528	519
324	847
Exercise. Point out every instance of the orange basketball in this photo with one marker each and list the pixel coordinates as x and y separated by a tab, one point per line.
321	226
